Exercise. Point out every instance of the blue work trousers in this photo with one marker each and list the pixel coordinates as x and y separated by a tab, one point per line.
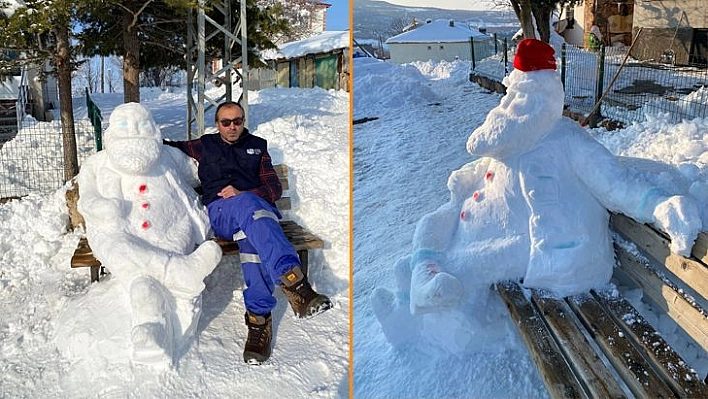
266	254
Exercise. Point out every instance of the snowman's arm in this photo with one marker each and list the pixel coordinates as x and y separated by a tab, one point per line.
185	166
435	230
104	204
621	191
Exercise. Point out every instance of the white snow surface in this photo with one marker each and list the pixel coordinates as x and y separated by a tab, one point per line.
307	130
438	31
321	43
414	139
474	5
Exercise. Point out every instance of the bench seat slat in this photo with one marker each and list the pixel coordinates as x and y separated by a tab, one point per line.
587	365
636	372
555	372
683	380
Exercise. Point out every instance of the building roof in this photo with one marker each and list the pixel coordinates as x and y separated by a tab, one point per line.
439	31
323	42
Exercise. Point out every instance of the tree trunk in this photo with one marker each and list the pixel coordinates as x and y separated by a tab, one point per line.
63	65
543	22
131	60
589	16
522	9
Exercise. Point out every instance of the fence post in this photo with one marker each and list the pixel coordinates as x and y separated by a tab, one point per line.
94	115
496	46
474	65
564	50
506	57
596	115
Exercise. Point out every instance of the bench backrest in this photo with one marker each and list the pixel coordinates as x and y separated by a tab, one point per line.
76	220
678	285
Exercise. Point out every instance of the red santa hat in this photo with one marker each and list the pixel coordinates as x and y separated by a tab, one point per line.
534	55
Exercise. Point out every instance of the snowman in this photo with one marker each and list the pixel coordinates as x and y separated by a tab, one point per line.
533	207
147	225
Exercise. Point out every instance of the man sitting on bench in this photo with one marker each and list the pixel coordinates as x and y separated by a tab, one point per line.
240	190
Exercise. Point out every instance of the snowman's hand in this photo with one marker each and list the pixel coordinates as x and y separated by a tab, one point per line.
106	209
432	289
678	216
399	326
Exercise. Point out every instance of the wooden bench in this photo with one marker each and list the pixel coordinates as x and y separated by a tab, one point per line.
597	344
301	239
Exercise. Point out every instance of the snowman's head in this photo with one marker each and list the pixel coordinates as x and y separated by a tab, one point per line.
133	140
532	105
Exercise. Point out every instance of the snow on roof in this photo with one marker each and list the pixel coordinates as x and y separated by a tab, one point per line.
437	32
321	43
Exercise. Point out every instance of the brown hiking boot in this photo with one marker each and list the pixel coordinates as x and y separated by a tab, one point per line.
260	329
303	299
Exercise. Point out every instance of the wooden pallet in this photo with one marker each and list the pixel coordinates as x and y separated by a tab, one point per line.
597	345
301	239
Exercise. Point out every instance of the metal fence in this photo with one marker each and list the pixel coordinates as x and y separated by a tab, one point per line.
32	156
631	88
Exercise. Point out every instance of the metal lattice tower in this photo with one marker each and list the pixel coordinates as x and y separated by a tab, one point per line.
197	37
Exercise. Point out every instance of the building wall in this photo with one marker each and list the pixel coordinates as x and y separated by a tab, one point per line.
669	31
668	13
327	70
402	53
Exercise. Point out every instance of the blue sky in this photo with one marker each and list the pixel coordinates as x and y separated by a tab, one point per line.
338	15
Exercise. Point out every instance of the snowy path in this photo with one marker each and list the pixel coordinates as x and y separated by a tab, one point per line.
402	161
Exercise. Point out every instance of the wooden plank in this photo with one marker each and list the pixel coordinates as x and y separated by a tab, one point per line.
692	319
282	172
585	362
691	272
555	372
700	248
634	370
682	379
284	204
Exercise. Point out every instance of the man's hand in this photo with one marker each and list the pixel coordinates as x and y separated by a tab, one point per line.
228	192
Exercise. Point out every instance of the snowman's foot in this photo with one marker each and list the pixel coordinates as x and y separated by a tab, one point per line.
398	325
151	344
432	289
184	274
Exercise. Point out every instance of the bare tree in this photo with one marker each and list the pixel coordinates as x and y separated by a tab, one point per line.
529	10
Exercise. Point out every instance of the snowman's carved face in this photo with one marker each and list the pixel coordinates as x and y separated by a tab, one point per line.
525	115
133	141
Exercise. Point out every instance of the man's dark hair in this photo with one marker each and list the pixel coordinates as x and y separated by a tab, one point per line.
227	104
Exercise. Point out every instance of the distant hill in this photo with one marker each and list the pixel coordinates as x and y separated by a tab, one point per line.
373	18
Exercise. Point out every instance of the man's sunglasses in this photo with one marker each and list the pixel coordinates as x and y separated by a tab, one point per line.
227	122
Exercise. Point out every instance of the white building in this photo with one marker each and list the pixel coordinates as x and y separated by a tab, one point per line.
439	40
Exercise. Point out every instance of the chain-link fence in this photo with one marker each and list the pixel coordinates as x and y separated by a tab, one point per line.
32	155
628	88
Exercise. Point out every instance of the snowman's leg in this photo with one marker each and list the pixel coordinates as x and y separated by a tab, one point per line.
128	256
392	311
152	330
184	274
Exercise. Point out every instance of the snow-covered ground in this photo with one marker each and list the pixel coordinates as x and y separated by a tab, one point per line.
419	118
308	129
